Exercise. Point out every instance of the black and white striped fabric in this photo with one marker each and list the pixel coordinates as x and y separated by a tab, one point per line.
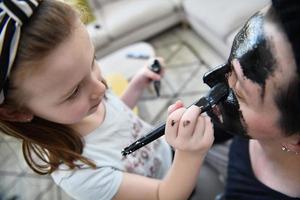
13	14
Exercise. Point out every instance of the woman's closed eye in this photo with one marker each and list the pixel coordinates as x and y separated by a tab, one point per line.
237	91
235	83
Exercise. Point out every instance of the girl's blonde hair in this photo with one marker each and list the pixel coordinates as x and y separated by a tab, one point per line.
45	144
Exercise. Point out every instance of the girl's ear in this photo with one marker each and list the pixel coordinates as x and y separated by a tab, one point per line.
8	113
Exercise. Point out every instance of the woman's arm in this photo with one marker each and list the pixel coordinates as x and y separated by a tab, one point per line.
191	136
138	83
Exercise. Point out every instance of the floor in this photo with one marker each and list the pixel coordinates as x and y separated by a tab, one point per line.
187	58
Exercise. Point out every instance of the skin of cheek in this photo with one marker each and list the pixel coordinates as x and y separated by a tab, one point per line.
260	115
259	124
233	120
64	113
76	113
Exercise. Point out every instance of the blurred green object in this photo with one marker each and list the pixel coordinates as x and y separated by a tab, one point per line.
84	6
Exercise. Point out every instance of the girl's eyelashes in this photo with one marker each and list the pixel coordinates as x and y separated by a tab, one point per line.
94	63
77	90
74	93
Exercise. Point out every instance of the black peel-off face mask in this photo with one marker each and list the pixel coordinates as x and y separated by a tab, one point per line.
252	50
226	115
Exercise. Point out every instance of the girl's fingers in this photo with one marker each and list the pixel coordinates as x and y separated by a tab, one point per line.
188	122
152	75
172	125
209	131
200	128
162	72
175	106
204	134
161	61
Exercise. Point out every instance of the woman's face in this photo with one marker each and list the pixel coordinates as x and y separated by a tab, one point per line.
260	65
67	86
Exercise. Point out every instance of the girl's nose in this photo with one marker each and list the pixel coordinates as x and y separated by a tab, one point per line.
98	89
95	96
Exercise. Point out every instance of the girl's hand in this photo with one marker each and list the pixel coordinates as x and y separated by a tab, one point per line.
145	76
188	131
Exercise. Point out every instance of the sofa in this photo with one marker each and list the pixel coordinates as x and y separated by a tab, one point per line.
122	22
217	22
119	23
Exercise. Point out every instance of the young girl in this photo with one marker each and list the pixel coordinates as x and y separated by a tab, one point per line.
55	100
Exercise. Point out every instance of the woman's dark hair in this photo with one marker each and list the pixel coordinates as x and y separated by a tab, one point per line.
286	15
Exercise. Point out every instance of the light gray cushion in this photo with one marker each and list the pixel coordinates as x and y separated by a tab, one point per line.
98	34
123	17
222	17
217	21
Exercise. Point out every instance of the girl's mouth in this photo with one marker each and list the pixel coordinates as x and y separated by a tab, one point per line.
95	106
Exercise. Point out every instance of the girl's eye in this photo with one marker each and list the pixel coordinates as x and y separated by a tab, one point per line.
94	63
74	94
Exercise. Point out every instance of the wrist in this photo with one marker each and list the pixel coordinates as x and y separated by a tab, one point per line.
190	155
139	82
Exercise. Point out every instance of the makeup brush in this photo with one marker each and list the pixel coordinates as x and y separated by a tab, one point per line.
214	96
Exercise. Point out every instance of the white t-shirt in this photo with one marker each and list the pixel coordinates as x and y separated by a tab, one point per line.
120	128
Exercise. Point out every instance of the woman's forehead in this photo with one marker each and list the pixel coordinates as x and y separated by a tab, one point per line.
253	51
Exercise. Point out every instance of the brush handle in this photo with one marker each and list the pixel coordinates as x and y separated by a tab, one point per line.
203	104
156	67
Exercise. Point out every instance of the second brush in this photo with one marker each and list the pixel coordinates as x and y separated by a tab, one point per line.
156	67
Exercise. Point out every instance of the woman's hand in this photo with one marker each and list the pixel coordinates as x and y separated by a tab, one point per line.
145	76
187	130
